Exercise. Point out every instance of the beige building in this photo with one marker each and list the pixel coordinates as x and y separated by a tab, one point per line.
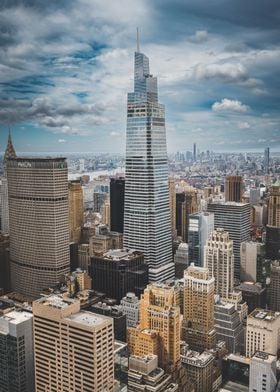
159	312
219	259
143	341
274	290
74	350
262	332
198	319
76	210
251	256
39	223
105	213
274	205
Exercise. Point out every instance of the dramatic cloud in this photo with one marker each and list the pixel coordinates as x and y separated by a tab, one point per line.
66	67
229	105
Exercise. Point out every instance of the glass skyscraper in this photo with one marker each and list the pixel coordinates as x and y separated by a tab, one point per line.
147	218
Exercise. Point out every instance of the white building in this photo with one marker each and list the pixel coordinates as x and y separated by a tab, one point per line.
251	257
263	332
130	307
16	352
219	259
262	372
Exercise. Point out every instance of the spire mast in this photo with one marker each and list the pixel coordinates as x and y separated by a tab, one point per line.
138	40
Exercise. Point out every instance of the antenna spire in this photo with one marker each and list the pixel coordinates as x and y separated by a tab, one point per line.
138	40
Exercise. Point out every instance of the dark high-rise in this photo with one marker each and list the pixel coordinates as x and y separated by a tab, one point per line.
233	188
118	272
273	225
117	186
266	160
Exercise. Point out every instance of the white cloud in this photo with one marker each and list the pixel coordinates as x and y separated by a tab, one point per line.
230	105
61	141
243	125
228	72
199	37
114	133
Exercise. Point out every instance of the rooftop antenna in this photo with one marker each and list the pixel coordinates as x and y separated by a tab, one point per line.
138	40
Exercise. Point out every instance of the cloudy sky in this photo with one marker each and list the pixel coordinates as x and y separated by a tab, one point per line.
67	65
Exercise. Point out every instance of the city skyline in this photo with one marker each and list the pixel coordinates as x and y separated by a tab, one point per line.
65	77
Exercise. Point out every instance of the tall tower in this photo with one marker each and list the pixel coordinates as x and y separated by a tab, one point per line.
266	160
147	218
233	188
198	319
273	225
194	152
76	210
219	259
39	223
117	186
4	206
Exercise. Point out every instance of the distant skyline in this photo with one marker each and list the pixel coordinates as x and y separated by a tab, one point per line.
66	67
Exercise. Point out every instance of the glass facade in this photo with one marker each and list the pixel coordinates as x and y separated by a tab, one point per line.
147	219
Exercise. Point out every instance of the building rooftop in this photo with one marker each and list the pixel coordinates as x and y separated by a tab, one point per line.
264	357
250	286
264	315
121	254
16	317
87	318
56	301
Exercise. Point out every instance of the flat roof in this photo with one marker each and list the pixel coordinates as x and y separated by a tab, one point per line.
16	317
87	318
264	315
56	301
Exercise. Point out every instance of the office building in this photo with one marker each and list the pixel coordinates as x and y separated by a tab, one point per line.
201	225
263	372
4	203
219	259
144	375
274	290
172	205
85	358
39	223
233	188
194	152
228	326
5	280
158	312
198	317
117	186
181	260
130	307
119	271
262	332
76	210
253	294
252	258
119	318
199	368
99	199
147	218
105	213
273	225
266	160
235	219
16	350
143	341
186	204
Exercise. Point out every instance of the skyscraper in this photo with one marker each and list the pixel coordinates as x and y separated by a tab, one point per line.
198	319
201	225
274	291
39	223
194	152
73	349
233	188
219	259
266	160
76	210
186	204
4	206
117	186
235	219
147	218
273	225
